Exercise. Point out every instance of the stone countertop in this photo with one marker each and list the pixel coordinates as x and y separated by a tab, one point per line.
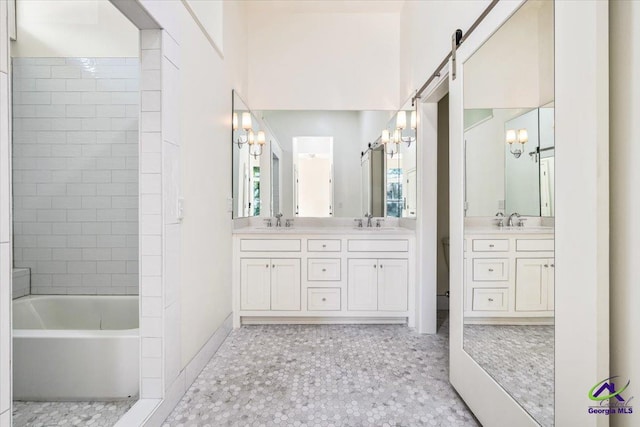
508	231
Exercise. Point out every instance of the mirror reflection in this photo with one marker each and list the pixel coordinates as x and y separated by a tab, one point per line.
324	163
509	208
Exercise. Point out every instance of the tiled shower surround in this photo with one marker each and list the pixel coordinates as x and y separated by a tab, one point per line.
75	173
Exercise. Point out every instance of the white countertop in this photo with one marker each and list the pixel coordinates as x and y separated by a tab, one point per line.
508	231
351	231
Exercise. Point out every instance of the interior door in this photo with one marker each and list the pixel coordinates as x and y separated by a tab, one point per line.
362	292
255	284
285	284
392	284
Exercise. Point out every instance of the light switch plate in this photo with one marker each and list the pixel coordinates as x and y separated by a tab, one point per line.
180	209
230	204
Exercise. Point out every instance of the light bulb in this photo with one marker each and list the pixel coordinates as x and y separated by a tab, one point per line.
246	121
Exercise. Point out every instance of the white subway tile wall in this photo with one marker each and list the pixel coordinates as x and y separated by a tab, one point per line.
75	173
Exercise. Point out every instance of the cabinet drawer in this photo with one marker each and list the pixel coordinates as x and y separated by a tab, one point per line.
270	245
542	245
489	269
378	245
490	245
490	299
319	269
323	299
323	245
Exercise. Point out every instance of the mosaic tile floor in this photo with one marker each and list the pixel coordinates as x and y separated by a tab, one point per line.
511	354
328	375
46	414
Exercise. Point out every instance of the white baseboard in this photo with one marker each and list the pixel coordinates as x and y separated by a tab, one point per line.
153	412
323	320
443	303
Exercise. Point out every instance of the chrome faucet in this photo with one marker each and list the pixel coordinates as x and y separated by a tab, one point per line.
368	216
500	219
510	221
279	219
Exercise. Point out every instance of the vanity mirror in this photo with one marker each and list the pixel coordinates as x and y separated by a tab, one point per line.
326	164
509	271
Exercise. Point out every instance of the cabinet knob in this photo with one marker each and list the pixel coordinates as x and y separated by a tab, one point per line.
324	246
267	265
491	246
375	266
546	266
324	269
553	265
273	266
490	299
380	265
324	299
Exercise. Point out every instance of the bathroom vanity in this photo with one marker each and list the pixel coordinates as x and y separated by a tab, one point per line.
323	275
509	275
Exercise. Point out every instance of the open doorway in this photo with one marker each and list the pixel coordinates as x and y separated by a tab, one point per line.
442	270
313	176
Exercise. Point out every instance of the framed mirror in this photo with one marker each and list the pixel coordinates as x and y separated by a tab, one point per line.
508	232
324	164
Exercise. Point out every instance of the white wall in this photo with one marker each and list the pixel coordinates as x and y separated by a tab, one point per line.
93	28
624	20
425	36
205	108
324	60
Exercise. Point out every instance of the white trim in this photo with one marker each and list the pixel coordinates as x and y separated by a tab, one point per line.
427	243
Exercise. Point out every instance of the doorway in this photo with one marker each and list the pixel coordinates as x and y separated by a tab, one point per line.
313	176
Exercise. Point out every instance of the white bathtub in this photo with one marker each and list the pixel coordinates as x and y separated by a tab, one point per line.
75	347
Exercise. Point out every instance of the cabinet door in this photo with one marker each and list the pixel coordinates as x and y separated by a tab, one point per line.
551	284
255	284
362	287
285	284
531	284
392	284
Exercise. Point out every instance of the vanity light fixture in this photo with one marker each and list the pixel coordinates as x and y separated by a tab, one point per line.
401	124
521	136
256	143
390	141
246	127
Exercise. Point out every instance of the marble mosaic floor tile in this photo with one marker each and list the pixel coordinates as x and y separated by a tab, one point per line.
46	414
520	358
325	375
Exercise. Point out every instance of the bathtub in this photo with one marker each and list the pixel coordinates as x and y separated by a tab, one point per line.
75	348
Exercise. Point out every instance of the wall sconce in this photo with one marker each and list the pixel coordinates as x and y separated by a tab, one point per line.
521	136
256	142
390	141
246	127
401	124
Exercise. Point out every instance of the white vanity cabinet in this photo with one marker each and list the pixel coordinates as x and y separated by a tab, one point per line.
366	276
269	284
534	284
509	277
378	284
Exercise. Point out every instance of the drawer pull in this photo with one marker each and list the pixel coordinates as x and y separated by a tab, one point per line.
324	299
375	266
491	246
490	299
267	265
553	265
491	270
324	269
380	265
324	246
273	266
546	266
